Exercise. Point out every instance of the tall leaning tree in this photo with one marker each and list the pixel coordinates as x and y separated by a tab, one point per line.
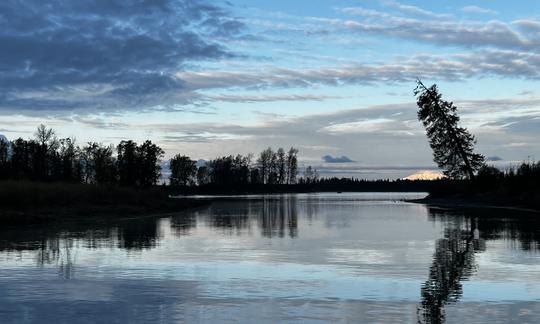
453	146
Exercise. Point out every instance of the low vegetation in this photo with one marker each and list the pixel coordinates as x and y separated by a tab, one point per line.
31	201
516	186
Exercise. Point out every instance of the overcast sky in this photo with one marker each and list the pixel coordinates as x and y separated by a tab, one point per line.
333	78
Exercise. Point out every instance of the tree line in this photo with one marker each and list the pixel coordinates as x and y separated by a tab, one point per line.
45	157
270	168
49	158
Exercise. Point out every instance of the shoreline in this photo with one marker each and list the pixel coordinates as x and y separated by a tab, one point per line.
38	216
463	203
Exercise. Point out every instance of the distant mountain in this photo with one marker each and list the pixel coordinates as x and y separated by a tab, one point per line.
201	162
425	175
6	140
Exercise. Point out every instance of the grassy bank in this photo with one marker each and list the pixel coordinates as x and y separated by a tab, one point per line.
34	202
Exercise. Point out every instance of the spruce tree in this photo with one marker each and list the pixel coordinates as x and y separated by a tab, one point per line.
453	146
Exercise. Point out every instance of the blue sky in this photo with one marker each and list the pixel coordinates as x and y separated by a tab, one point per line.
208	78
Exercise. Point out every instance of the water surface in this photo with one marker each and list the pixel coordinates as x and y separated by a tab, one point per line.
317	258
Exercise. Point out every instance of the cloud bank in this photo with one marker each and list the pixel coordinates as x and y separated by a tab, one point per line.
105	55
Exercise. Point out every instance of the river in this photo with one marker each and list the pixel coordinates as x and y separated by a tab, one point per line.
315	258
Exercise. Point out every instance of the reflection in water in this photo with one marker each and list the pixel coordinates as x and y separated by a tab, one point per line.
276	216
54	245
453	262
305	253
465	235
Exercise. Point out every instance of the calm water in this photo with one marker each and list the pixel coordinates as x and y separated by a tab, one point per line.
314	258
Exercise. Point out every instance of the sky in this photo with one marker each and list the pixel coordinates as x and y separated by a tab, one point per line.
332	78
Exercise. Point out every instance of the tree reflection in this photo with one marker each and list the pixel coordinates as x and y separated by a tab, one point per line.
453	262
279	217
54	244
275	216
465	234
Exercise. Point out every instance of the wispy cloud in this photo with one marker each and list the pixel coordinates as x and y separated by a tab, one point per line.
488	62
268	98
441	32
413	10
478	10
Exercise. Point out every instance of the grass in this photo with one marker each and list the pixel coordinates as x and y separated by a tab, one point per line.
34	202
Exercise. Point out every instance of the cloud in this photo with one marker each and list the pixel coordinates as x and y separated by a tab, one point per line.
459	66
414	10
104	55
478	10
437	31
267	98
337	159
526	93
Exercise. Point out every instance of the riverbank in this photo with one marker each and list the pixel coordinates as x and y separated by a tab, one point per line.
24	202
468	203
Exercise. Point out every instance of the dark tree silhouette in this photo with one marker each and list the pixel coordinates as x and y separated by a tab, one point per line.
149	158
281	166
69	167
99	164
138	165
43	148
202	175
5	165
265	164
183	170
127	161
230	170
311	175
292	165
452	145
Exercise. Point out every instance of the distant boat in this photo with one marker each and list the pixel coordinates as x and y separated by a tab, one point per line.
339	192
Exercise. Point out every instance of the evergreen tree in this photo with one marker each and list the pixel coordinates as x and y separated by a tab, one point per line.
452	145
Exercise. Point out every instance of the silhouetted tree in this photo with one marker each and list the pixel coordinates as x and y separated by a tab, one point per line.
128	163
255	176
292	165
265	164
149	158
183	170
202	175
20	158
68	161
311	175
452	145
99	163
5	165
281	166
273	169
220	170
43	152
240	169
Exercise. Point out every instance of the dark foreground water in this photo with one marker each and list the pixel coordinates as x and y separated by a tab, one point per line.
348	258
